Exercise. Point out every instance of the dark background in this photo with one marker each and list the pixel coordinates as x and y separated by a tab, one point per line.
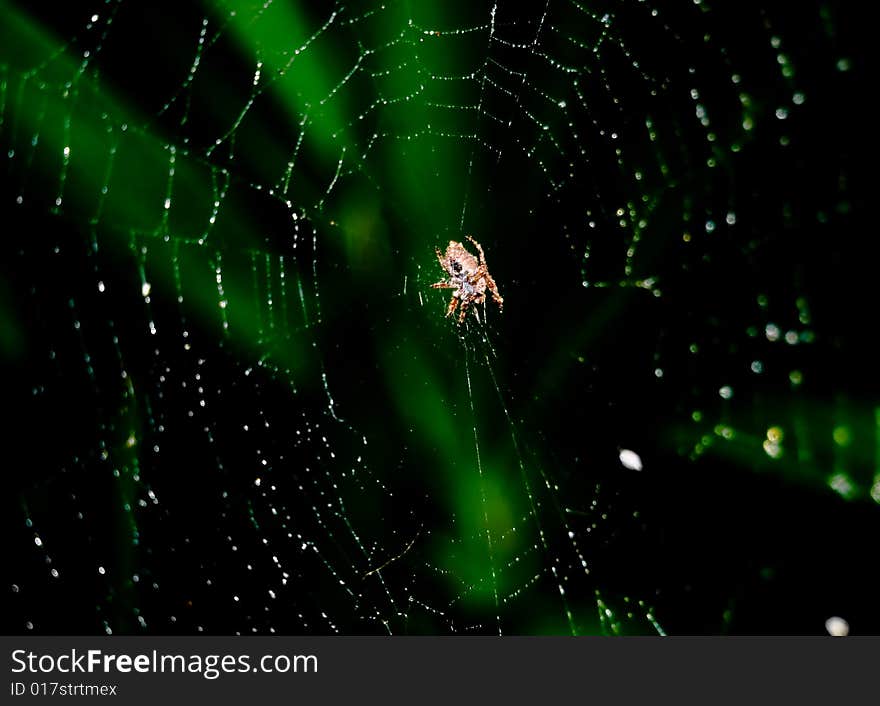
714	535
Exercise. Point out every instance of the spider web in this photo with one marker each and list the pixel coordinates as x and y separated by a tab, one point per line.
251	416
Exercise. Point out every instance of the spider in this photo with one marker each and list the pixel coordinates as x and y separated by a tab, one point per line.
468	276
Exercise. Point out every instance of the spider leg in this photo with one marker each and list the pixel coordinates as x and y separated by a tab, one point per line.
482	273
496	295
479	249
440	258
443	285
463	312
452	304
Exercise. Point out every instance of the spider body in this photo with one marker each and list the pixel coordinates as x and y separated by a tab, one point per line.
469	278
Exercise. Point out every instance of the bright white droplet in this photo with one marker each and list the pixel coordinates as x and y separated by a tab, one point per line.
837	627
631	460
145	289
